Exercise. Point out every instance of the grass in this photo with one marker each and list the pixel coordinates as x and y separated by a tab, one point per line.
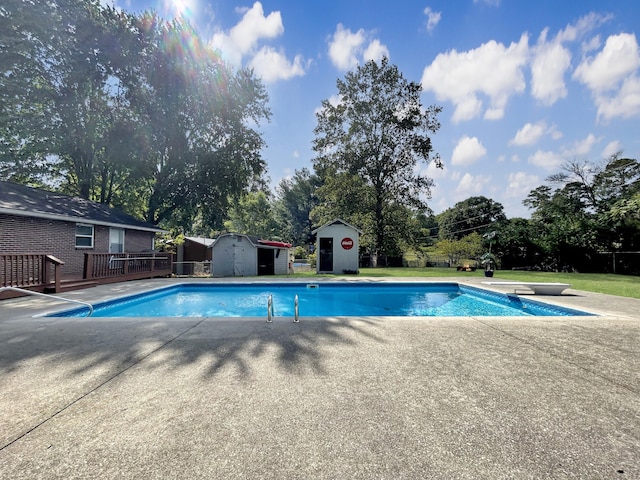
610	284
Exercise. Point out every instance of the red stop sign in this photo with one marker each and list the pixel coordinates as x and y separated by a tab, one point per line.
347	243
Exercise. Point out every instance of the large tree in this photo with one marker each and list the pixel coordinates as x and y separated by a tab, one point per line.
130	111
296	198
475	214
368	145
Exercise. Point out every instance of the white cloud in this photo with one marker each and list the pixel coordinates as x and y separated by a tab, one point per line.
611	149
433	18
467	151
547	160
375	51
246	34
492	70
272	65
346	48
619	58
581	147
550	62
520	182
529	134
471	185
625	103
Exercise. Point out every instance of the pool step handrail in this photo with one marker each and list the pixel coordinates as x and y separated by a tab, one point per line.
46	295
270	309
295	310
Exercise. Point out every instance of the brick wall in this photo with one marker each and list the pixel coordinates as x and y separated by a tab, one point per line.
22	235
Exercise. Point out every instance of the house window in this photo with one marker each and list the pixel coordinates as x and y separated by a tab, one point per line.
116	240
84	236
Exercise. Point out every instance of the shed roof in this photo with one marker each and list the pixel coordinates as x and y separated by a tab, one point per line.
207	242
34	202
333	222
255	241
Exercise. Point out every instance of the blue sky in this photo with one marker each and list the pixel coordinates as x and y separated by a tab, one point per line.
524	85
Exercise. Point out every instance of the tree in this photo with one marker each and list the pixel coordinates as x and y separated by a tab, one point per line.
296	198
575	216
475	214
369	143
469	246
252	215
126	110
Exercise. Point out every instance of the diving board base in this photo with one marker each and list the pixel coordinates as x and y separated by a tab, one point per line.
537	288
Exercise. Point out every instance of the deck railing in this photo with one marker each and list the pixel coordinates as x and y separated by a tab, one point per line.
117	267
35	271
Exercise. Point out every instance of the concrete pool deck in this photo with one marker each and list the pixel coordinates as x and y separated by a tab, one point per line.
327	398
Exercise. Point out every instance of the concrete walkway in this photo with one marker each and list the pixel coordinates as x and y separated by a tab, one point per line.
328	398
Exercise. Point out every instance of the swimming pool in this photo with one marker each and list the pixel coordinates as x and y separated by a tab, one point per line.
321	300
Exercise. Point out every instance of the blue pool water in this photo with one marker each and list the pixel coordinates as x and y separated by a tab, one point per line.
325	299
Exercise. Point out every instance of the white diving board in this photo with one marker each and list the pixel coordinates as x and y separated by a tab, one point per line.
538	288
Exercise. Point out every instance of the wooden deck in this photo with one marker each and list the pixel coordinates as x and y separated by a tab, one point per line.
45	273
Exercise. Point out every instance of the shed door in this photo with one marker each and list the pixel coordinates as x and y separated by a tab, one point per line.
326	254
238	256
266	261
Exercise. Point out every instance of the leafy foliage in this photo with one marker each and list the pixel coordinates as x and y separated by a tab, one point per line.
126	110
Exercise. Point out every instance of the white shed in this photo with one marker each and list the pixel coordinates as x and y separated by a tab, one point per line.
337	247
239	255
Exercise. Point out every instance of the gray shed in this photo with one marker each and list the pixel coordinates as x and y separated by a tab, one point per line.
337	247
240	255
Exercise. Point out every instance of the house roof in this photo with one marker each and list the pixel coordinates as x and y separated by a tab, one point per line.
34	202
333	222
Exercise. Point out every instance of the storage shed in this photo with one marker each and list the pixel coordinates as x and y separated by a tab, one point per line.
239	255
337	244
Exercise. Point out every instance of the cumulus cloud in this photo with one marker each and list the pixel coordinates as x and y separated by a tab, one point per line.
375	51
472	184
519	182
433	18
467	151
531	133
612	76
272	65
550	62
244	36
346	48
611	149
492	70
243	40
619	58
581	147
547	160
625	103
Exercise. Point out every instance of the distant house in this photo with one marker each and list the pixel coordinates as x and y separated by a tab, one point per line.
38	221
235	254
338	245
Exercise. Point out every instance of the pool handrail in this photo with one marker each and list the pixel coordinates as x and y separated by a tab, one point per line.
295	310
46	295
269	308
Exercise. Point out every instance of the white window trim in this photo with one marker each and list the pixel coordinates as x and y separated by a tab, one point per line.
84	236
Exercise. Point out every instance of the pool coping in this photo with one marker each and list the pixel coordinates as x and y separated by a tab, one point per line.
501	297
593	303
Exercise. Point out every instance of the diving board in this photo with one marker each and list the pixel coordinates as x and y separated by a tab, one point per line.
539	288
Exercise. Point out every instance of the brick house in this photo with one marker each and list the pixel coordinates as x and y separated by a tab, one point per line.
38	221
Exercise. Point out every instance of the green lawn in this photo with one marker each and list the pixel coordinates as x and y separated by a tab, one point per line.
622	285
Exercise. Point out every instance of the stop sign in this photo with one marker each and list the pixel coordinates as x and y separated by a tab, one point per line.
347	243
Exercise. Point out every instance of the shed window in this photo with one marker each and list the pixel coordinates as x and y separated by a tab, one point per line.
84	236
